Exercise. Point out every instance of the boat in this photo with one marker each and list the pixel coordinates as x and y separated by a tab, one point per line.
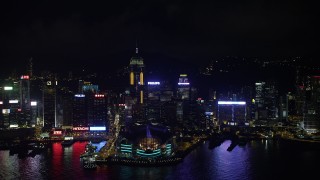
88	158
89	150
89	162
37	148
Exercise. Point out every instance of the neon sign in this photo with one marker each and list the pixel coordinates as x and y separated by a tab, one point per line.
153	83
57	132
232	102
8	88
24	77
102	128
80	128
99	95
79	95
14	101
185	84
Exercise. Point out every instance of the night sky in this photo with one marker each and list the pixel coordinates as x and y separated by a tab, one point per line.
103	34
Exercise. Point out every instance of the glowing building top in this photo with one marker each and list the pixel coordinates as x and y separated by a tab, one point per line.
136	60
136	76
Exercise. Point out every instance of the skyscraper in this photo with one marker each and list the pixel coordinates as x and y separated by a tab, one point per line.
25	102
49	99
183	87
136	68
266	101
311	113
79	111
11	104
99	111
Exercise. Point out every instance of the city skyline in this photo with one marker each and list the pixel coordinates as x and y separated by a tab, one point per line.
190	90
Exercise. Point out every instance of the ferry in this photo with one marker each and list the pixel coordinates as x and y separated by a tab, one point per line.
88	158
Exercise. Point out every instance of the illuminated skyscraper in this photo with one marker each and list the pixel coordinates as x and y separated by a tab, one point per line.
311	117
232	112
49	104
11	104
153	104
98	114
266	101
183	96
79	111
183	87
136	68
25	102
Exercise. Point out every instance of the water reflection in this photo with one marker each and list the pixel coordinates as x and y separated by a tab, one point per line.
255	160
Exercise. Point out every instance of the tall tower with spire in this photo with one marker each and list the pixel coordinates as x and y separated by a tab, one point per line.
136	68
30	68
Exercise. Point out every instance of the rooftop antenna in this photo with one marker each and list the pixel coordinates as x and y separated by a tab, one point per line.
136	46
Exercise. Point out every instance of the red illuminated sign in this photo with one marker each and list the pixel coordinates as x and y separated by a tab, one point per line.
57	132
99	95
80	128
25	77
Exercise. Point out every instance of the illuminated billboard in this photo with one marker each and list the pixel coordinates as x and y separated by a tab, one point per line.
153	83
80	128
183	84
13	101
231	102
57	133
24	77
1	102
98	128
5	111
99	95
79	95
33	103
8	88
67	138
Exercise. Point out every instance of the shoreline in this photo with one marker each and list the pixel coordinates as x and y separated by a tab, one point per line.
174	160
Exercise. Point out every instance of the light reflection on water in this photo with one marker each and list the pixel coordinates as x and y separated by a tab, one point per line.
256	160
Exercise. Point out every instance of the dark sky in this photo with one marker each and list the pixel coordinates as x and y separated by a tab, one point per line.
86	33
